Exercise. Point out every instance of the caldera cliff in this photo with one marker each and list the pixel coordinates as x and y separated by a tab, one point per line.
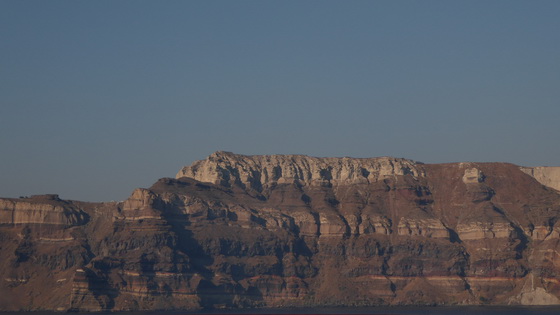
291	230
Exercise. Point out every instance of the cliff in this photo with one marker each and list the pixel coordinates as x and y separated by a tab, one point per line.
41	209
291	230
546	175
262	171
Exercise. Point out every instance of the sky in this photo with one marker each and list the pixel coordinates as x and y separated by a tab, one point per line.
98	98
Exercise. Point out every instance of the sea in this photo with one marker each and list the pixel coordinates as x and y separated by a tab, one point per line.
408	310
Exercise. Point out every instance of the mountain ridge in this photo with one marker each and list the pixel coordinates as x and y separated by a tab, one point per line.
240	231
207	170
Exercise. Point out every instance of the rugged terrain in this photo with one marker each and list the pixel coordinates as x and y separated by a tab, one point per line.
291	230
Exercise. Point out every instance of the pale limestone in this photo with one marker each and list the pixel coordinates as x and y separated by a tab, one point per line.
540	232
262	170
533	293
139	205
423	227
22	211
546	175
473	176
484	230
331	225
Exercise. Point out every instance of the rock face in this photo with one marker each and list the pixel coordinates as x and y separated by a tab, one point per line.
263	171
292	230
546	175
41	209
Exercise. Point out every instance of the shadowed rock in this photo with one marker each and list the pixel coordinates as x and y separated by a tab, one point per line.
290	230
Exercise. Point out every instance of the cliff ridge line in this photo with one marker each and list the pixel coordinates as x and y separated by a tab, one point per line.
256	171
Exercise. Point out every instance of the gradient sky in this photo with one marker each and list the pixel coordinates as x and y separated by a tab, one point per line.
100	97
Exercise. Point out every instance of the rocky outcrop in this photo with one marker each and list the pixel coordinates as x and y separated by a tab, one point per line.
40	209
546	175
261	171
289	231
484	230
427	228
534	293
473	176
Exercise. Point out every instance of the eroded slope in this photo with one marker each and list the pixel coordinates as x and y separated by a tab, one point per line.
249	231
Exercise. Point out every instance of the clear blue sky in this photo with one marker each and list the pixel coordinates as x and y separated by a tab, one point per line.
100	97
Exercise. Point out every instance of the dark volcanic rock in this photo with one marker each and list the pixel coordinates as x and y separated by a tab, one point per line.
256	231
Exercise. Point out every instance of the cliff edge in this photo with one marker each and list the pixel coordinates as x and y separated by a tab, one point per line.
258	171
546	175
235	231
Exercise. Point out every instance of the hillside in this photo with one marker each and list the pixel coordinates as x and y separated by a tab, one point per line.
291	230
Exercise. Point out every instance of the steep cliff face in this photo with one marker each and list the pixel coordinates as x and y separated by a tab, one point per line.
41	209
259	172
546	175
252	231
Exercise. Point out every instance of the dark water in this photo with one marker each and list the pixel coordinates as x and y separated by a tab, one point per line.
440	310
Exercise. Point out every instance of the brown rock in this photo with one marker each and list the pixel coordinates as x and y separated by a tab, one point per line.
292	230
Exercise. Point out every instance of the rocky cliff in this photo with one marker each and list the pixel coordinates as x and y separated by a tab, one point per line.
546	175
291	230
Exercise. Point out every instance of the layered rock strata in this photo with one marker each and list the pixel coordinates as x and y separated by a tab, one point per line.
278	231
41	209
262	171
